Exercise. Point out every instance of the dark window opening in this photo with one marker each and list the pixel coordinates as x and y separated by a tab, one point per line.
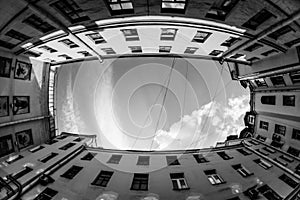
79	139
221	9
140	182
200	158
244	152
173	6
263	163
17	35
215	52
269	100
279	129
270	52
120	7
49	142
288	180
253	47
37	148
7	45
172	160
295	77
103	178
72	172
130	34
48	157
289	100
213	177
190	50
84	53
230	41
168	34
224	156
68	43
14	158
277	80
89	156
21	173
39	24
32	53
136	49
242	170
164	49
96	38
261	82
178	181
258	19
292	43
201	36
115	159
280	32
269	193
293	151
296	134
48	49
47	194
236	56
65	56
143	160
67	146
108	51
264	125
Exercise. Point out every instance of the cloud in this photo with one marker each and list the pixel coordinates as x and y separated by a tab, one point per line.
204	127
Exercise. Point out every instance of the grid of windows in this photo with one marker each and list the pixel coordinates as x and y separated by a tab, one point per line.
264	125
67	146
119	7
103	178
89	156
47	194
39	24
96	38
172	160
200	158
68	43
201	36
224	155
168	33
282	31
263	163
279	129
131	34
242	170
230	41
173	6
178	181
213	177
258	19
269	100
221	9
140	182
48	157
72	172
115	159
288	100
143	160
17	35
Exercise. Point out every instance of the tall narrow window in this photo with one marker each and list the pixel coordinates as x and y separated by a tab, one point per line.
164	49
280	32
269	100
68	43
130	34
221	9
223	155
39	24
115	159
253	47
178	181
5	68
48	157
296	134
242	170
103	178
140	182
172	160
263	163
120	7
213	177
47	194
200	158
6	145
89	156
288	100
230	41
96	38
72	172
295	77
277	80
264	125
67	146
258	19
201	36
168	34
173	6
288	180
279	129
143	160
17	35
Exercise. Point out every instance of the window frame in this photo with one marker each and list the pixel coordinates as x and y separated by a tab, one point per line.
200	158
143	160
173	10
199	38
172	160
120	11
178	181
242	170
5	67
72	172
280	129
264	125
224	155
114	159
168	34
286	101
213	177
142	180
102	178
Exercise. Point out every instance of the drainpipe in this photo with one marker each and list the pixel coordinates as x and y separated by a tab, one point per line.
40	11
264	33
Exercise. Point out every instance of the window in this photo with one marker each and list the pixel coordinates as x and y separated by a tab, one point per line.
262	152
79	139
215	52
293	151
108	50
49	142
277	80
96	38
236	56
242	170
178	181
61	137
244	152
173	6
261	82
289	100
230	41
143	160
213	177
136	49
200	158
264	125
288	180
119	7
14	158
164	49
140	182
103	178
292	43
267	192
130	34
267	53
115	159
70	10
32	53
39	24
258	19
201	36
67	146
268	149
190	50
261	138
37	148
269	100
280	162
172	160
284	30
68	43
6	44
279	129
6	145
89	156
47	194
286	158
17	35
84	53
72	172
48	49
221	9
263	163
48	157
65	56
253	47
5	67
21	173
296	134
253	142
253	59
223	155
168	34
295	77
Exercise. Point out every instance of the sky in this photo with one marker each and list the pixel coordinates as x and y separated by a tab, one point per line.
151	103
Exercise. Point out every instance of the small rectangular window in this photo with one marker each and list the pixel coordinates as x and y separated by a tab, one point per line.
17	35
89	156
48	49
103	178
172	160
286	158
236	56
242	170
268	149
178	181
200	158
47	194
262	152
280	32
79	139
190	50
164	49
280	161
288	180
173	6
131	34
140	182
21	173
270	52
72	172
230	41
96	38
61	137
5	68
279	129
143	160
65	56
263	163
288	100
244	152
68	43
136	49
293	151
7	45
39	24
261	82
224	156
295	77
269	193
269	100
48	157
277	81
67	146
120	7
115	159
13	159
292	43
37	148
221	9
168	33
261	138
296	134
264	125
108	51
213	177
84	53
201	36
6	145
215	52
49	142
32	53
253	59
253	47
258	19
